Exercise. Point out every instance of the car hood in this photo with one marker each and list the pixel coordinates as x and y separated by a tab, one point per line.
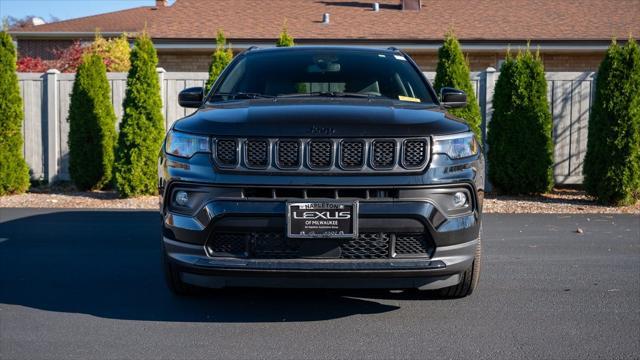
323	117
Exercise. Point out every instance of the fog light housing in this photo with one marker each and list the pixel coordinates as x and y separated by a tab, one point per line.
460	199
182	198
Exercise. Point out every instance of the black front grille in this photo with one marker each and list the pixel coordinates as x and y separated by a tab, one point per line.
289	154
227	152
366	246
276	245
230	244
257	153
298	156
352	154
411	244
384	154
320	154
415	153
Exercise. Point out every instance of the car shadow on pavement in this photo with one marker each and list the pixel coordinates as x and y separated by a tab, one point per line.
106	264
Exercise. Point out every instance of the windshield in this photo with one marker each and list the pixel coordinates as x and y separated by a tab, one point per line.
335	73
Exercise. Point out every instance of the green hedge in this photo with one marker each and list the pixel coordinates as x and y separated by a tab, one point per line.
92	131
612	162
14	172
220	58
519	136
453	71
142	127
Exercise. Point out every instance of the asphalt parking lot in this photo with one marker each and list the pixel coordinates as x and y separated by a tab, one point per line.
87	284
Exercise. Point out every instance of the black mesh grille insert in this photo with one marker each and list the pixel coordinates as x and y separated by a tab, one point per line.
352	154
257	153
233	244
415	153
366	246
227	152
411	244
288	154
274	246
384	154
320	154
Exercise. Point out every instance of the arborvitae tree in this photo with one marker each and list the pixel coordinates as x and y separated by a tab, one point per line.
14	172
221	57
453	71
142	127
92	126
520	146
285	40
612	163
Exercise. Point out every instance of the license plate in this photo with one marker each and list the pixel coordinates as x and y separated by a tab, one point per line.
322	219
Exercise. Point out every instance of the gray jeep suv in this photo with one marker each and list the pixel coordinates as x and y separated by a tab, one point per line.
322	167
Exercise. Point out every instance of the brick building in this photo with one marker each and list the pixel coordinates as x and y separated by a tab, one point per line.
572	35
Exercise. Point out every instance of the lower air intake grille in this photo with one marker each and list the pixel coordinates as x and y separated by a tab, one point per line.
384	154
257	153
366	246
411	244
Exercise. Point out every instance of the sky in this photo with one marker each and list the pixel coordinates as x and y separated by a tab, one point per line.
66	9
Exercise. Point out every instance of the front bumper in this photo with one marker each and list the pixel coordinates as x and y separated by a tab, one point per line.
452	243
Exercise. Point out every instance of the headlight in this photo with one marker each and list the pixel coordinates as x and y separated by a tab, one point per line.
456	146
185	145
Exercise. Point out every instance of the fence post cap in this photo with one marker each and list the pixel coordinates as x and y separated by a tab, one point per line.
490	69
160	70
53	71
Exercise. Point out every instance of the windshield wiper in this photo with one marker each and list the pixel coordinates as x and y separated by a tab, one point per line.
244	95
330	94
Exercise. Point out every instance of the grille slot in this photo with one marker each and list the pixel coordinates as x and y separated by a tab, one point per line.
384	154
415	153
288	154
411	244
352	154
366	246
320	154
257	153
227	152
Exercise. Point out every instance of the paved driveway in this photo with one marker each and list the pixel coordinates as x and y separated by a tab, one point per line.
87	284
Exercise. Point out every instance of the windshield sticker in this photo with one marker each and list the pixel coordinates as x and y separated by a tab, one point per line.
400	57
408	98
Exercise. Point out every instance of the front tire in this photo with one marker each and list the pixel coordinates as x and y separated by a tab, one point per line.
173	280
470	277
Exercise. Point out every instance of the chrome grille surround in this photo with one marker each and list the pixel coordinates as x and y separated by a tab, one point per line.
321	155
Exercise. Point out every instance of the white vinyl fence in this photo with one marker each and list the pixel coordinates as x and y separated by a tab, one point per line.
46	103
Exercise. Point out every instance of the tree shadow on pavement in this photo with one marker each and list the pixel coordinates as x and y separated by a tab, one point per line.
107	264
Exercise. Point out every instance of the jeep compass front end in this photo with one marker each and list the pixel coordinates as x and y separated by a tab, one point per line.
322	167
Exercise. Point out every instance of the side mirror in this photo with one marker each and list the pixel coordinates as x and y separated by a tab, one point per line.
452	98
191	97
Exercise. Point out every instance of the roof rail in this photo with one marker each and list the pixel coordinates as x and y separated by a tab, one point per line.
252	47
393	48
